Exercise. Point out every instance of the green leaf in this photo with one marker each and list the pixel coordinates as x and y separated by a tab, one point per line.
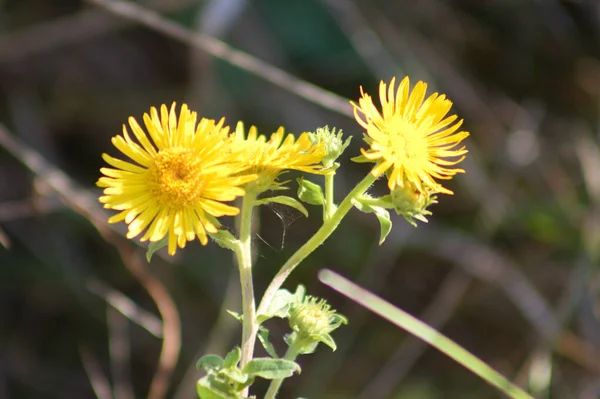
263	337
271	369
206	391
310	192
236	375
236	316
284	200
385	223
224	239
210	363
155	246
279	306
328	340
232	358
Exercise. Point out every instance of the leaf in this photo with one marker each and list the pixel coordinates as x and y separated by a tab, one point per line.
279	306
232	358
155	246
210	363
205	390
236	375
263	337
236	316
224	239
284	200
328	340
310	192
271	369
385	223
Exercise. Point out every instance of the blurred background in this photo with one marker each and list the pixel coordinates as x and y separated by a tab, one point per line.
507	267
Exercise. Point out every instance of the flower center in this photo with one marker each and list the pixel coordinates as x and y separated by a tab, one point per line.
406	141
177	177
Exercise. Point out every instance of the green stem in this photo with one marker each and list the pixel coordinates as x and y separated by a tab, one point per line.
291	354
244	257
313	243
329	204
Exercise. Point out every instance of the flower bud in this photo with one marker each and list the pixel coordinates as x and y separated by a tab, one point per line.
334	145
412	203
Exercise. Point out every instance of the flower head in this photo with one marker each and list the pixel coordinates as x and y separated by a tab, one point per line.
269	158
178	178
312	320
411	138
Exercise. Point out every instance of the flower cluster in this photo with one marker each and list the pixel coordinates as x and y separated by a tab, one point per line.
182	172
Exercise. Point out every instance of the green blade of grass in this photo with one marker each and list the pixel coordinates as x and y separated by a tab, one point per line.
422	331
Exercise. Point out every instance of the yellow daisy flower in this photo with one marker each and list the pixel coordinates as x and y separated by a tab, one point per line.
411	137
179	178
268	159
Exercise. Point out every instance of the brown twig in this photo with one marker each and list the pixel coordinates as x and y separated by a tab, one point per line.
219	49
85	204
48	36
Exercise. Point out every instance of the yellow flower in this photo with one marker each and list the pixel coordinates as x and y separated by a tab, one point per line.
411	137
178	180
268	159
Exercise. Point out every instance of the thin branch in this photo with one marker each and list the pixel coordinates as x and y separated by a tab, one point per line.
98	380
221	50
126	306
48	36
86	205
120	354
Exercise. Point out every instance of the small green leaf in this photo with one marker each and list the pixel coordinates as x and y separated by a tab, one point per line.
236	375
224	239
328	340
210	363
263	337
360	159
308	348
206	391
155	246
279	306
385	223
310	192
236	316
232	358
284	200
271	369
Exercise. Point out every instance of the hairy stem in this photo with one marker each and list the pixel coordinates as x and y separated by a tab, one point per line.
329	204
313	243
244	258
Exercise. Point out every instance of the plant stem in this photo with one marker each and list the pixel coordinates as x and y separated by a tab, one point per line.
244	258
291	354
313	243
329	207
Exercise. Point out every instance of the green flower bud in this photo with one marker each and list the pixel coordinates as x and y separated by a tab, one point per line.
312	319
334	145
412	203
